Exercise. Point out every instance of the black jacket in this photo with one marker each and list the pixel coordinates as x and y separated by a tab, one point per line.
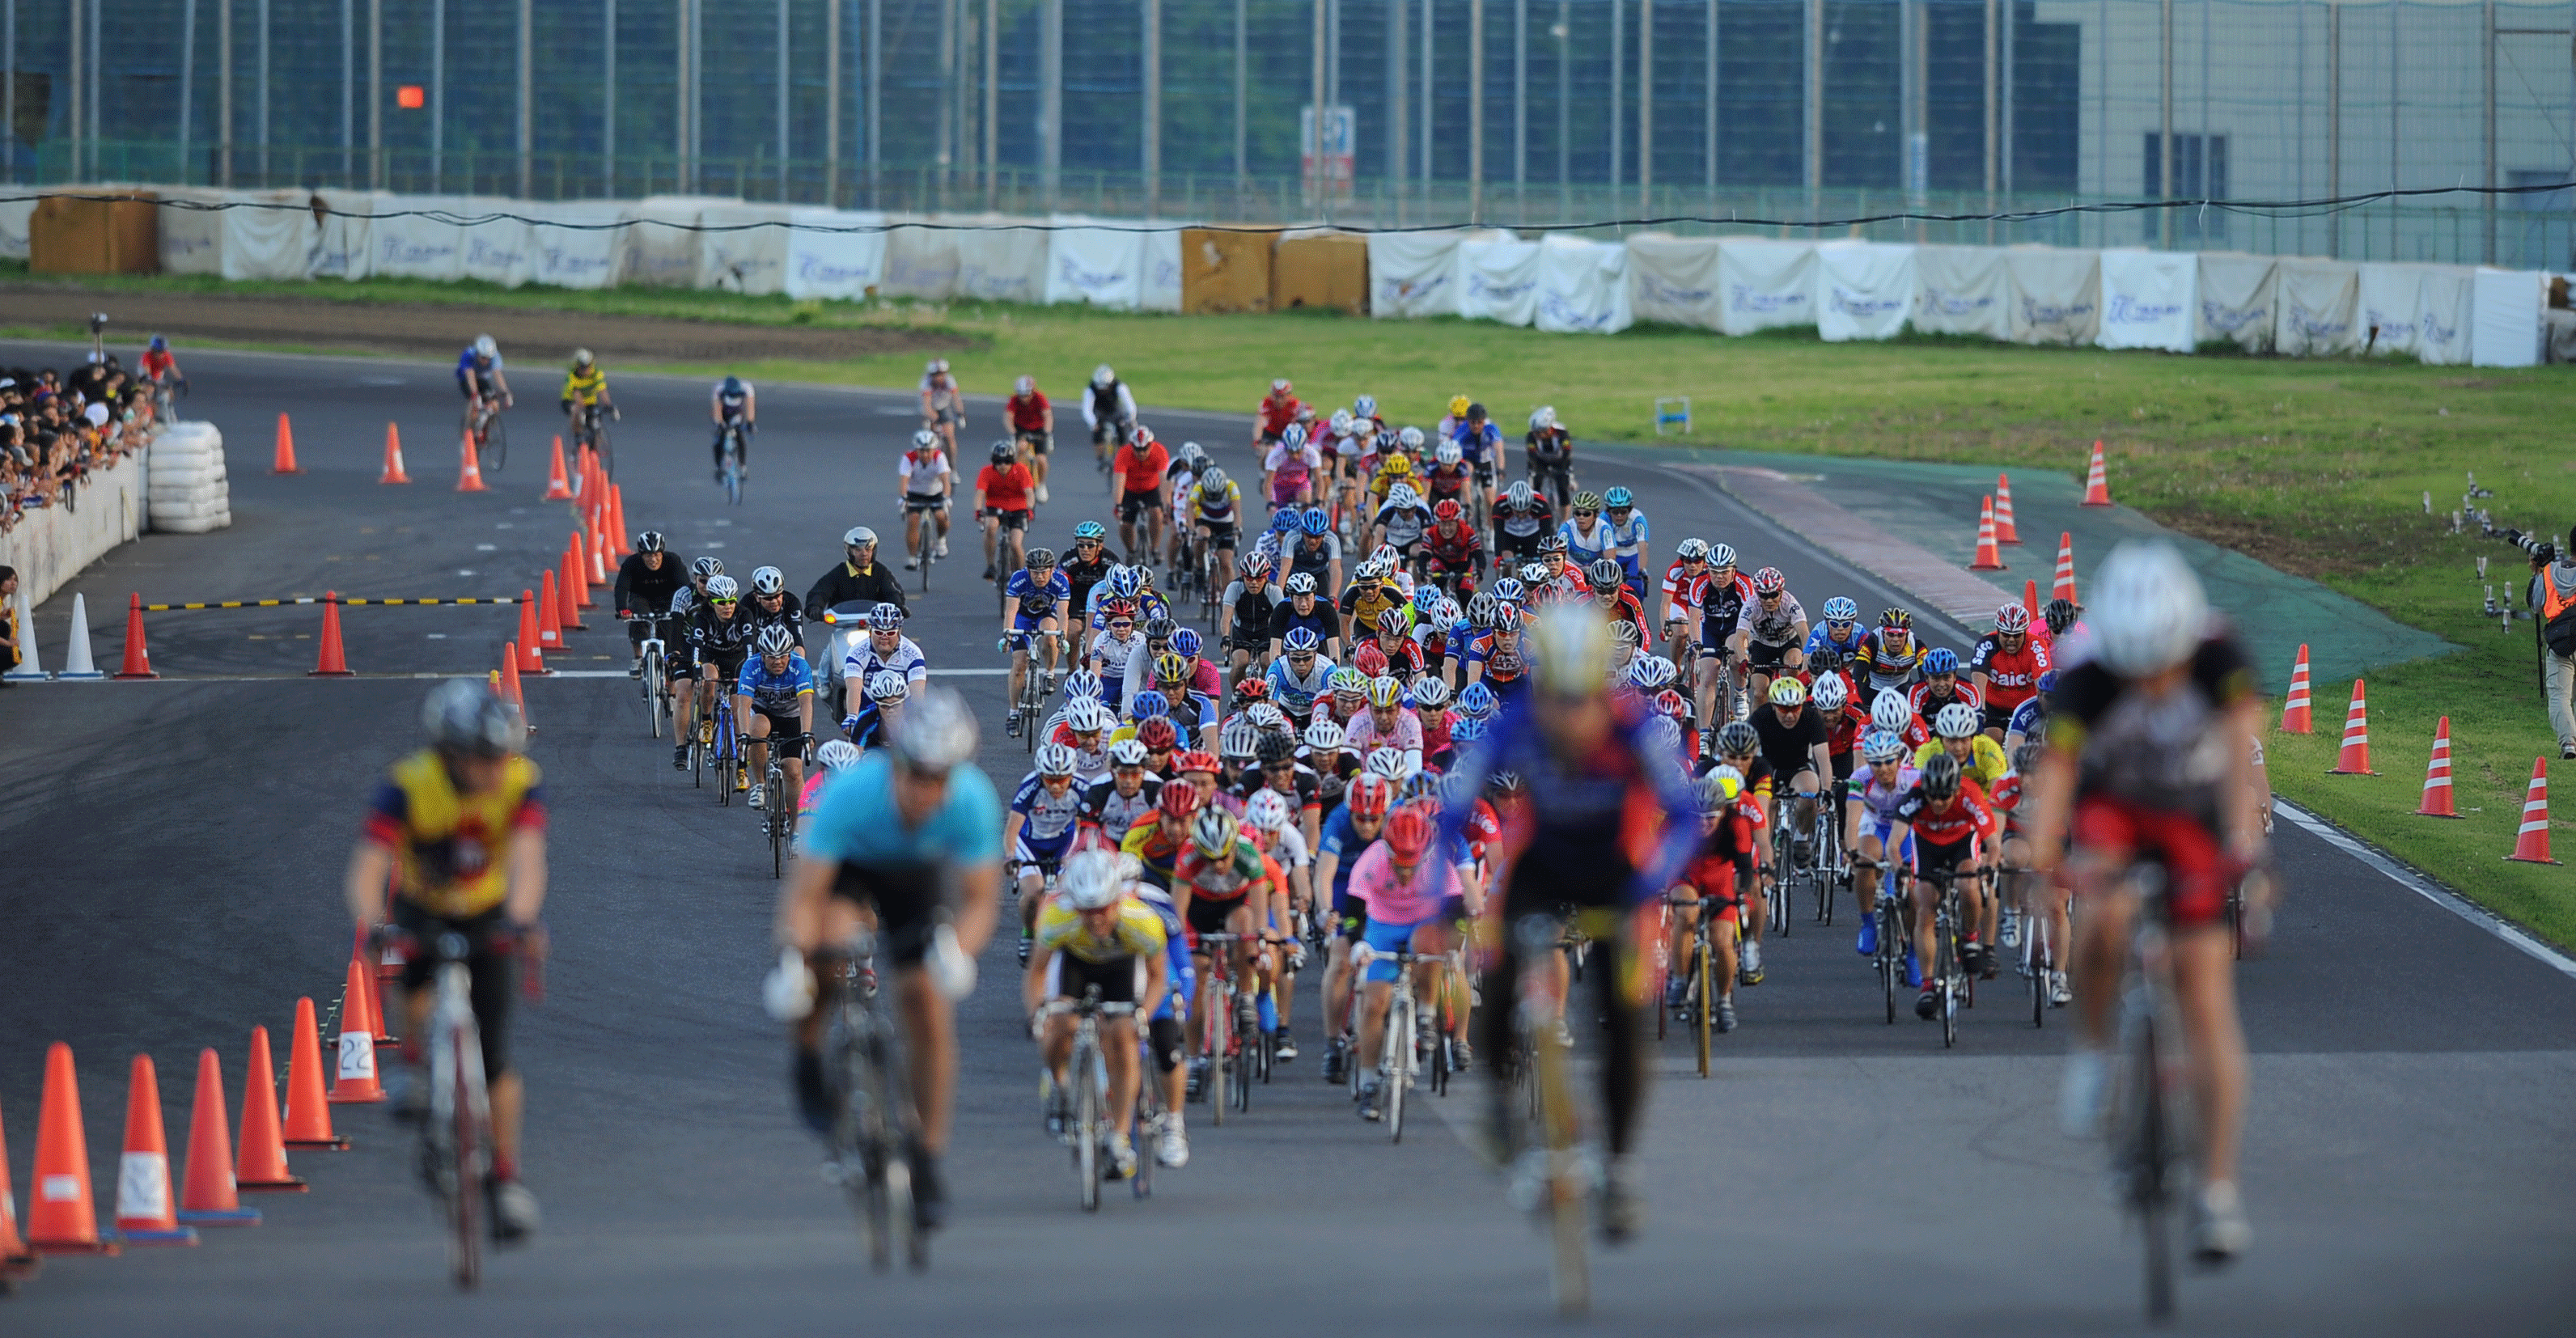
641	587
841	584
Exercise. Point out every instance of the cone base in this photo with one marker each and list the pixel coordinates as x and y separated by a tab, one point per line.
335	1143
291	1186
146	674
2423	814
2525	859
2340	771
105	1247
330	673
1980	566
219	1217
182	1236
2093	504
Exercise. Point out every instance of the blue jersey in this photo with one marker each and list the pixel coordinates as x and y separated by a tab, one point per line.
1049	818
1477	445
1581	824
1033	600
2027	717
1822	639
1340	839
775	694
472	377
857	821
1628	541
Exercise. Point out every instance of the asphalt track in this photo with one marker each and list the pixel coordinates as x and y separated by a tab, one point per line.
173	851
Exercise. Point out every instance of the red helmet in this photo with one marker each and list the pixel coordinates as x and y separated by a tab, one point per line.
1179	801
1158	734
2012	618
1769	581
1408	833
1446	510
1370	794
1252	690
1118	608
1370	661
1672	703
1195	759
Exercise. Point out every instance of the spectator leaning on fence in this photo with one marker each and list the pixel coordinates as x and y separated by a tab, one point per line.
2552	598
55	431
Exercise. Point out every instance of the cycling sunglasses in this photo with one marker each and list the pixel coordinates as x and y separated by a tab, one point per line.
1121	624
724	603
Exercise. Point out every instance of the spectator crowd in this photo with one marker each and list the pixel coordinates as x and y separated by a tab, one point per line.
56	430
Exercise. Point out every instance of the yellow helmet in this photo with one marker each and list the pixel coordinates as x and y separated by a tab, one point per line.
1458	406
1398	465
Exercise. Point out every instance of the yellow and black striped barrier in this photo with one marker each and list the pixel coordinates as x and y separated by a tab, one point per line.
315	599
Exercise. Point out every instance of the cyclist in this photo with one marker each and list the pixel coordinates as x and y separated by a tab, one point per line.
1288	469
1841	634
158	368
1032	427
1620	604
894	831
1628	536
1244	615
831	759
1187	464
1304	611
1116	803
1140	468
721	638
646	580
774	696
1400	523
1095	936
1891	653
1869	816
1109	410
1033	601
1299	674
885	692
1039	829
1114	649
2058	619
1940	687
1400	888
2005	668
928	483
1003	508
1796	742
1278	412
1349	832
943	405
1587	536
1446	476
1549	455
1480	443
1454	550
1771	631
735	410
1222	883
1085	569
479	375
1522	518
772	606
458	831
1314	550
1950	815
585	393
1712	885
885	649
1590	774
1216	511
857	578
1387	723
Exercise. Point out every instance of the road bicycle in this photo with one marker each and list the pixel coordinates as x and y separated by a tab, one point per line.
725	746
735	469
1698	1005
1953	986
1087	1133
1554	1173
654	668
1037	684
1399	1060
873	1122
777	815
2153	1136
1826	873
456	1142
2039	949
489	433
589	426
1895	930
1226	1042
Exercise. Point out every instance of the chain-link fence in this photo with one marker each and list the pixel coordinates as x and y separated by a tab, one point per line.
1507	112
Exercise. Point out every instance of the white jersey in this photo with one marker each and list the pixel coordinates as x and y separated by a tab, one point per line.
861	662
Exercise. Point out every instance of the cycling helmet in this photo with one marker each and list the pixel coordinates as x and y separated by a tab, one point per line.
1941	776
1769	581
1940	660
160	344
1386	762
1159	734
1171	669
937	366
1364	406
1004	453
1239	741
1102	377
768	581
1475	411
2148	609
1507	618
1672	703
1124	582
1324	736
1553	543
836	754
885	685
1691	550
1314	520
1275	747
925	440
1958	720
1626	634
1618	499
1410	438
1652	673
1279	385
1347	682
1830	694
936	732
1840	609
2060	615
1736	738
1890	711
1341	422
885	617
1179	801
1090	529
776	641
1402	497
1448	453
1465	730
1476	701
1054	759
1787	691
1085	715
1213	481
1882	745
1284	523
1370	795
1253	690
1408	834
1370	662
1447	510
1606	575
1196	759
1721	557
2047	682
1253	563
857	535
650	541
1509	590
1895	618
706	568
1148	704
1127	753
2012	619
1039	559
1519	493
1542	418
464	715
1114	608
1391	622
1301	583
723	589
1215	832
1718	789
1090	880
1571	647
1266	811
485	348
1662	735
1385	693
1302	641
1587	500
1185	641
1293	436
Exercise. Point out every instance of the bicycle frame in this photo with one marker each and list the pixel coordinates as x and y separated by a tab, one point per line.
873	1127
1088	1072
457	1138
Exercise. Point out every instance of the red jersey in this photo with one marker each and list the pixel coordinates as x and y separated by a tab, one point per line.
1683	590
158	364
1970	816
1141	471
1844	727
1277	412
2012	677
1919	696
1029	412
1005	489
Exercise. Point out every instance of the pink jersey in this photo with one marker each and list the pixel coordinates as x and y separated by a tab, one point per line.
1362	733
1401	902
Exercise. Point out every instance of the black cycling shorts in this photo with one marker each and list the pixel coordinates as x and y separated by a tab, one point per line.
1035	441
780	726
907	900
1995	717
725	664
1208	914
914	503
1069	976
1935	857
1765	656
1220	533
1009	520
1168	1042
1133	505
495	973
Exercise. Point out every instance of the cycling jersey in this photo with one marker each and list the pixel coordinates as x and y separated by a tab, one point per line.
1296	695
1684	589
2161	754
1581	545
1137	932
775	694
1028	412
1628	542
1405	525
1394	900
1289	469
1006	489
1927	706
2012	677
1591	835
1050	818
1158	855
2029	718
1108	404
924	474
789	614
730	405
477	380
1890	655
451	850
1552	447
1441	481
1478	444
1455	547
1967	818
1034	600
1521	527
1821	641
1141	472
1721	607
1363	605
1880	801
1986	764
1223	509
719	637
646	589
1090	760
1789	748
154	366
1774	625
862	662
1277	412
851	826
1227	879
585	388
1364	734
1103	807
1323	619
1251	605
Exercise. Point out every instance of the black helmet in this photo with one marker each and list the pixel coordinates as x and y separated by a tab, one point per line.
1941	776
1475	411
1275	748
1004	452
1606	574
2060	614
464	715
1737	737
1160	629
650	541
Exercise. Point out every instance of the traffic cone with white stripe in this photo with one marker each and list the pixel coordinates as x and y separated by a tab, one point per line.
2354	760
558	487
2437	776
532	659
2063	586
393	457
2097	480
357	1082
2005	533
2531	844
1989	558
144	1214
469	475
2294	708
61	1216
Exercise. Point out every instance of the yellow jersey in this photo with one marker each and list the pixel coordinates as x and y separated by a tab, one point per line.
1986	764
451	851
585	388
1137	932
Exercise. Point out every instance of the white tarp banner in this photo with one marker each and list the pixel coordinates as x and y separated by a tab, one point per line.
499	247
660	246
1673	280
1582	287
923	262
192	240
1416	273
2237	294
2506	317
2391	307
2148	299
1962	290
1765	284
749	254
2320	308
1864	290
2448	307
13	227
2056	295
1162	281
269	235
1101	266
341	251
832	254
1498	281
574	243
404	244
1003	264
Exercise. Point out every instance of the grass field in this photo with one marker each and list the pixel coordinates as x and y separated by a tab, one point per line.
2318	467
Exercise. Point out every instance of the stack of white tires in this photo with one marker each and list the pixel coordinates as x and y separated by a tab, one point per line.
190	493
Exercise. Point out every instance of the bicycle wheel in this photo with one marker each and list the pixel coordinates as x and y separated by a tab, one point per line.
599	445
657	703
774	817
1707	1006
1395	1065
496	443
1891	948
464	1174
2151	1189
1087	1131
1220	1029
1568	1187
2035	964
1945	952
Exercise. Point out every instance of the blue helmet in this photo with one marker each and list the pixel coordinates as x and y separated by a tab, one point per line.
1186	641
160	345
1509	590
1148	704
1475	702
1466	729
1841	609
1284	522
1618	499
1941	660
1302	641
1314	520
1126	582
1090	529
2048	681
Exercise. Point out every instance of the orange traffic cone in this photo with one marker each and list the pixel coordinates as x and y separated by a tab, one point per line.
61	1218
260	1165
308	1111
619	541
569	600
2355	758
510	690
558	487
2030	603
144	1215
2294	708
2437	776
386	968
334	661
549	612
532	659
2063	587
577	570
2005	533
285	450
598	554
208	1197
581	473
393	457
2530	845
138	660
16	1260
1988	557
357	1081
469	477
2097	480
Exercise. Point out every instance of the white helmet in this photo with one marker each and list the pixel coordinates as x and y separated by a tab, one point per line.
836	754
1341	422
1830	694
1102	377
1087	714
1387	762
1958	720
1449	454
2148	610
485	348
924	439
1890	710
1542	418
768	581
1090	880
1323	736
1266	810
1054	759
1411	437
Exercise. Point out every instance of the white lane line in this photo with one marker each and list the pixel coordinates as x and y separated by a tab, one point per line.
2426	888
